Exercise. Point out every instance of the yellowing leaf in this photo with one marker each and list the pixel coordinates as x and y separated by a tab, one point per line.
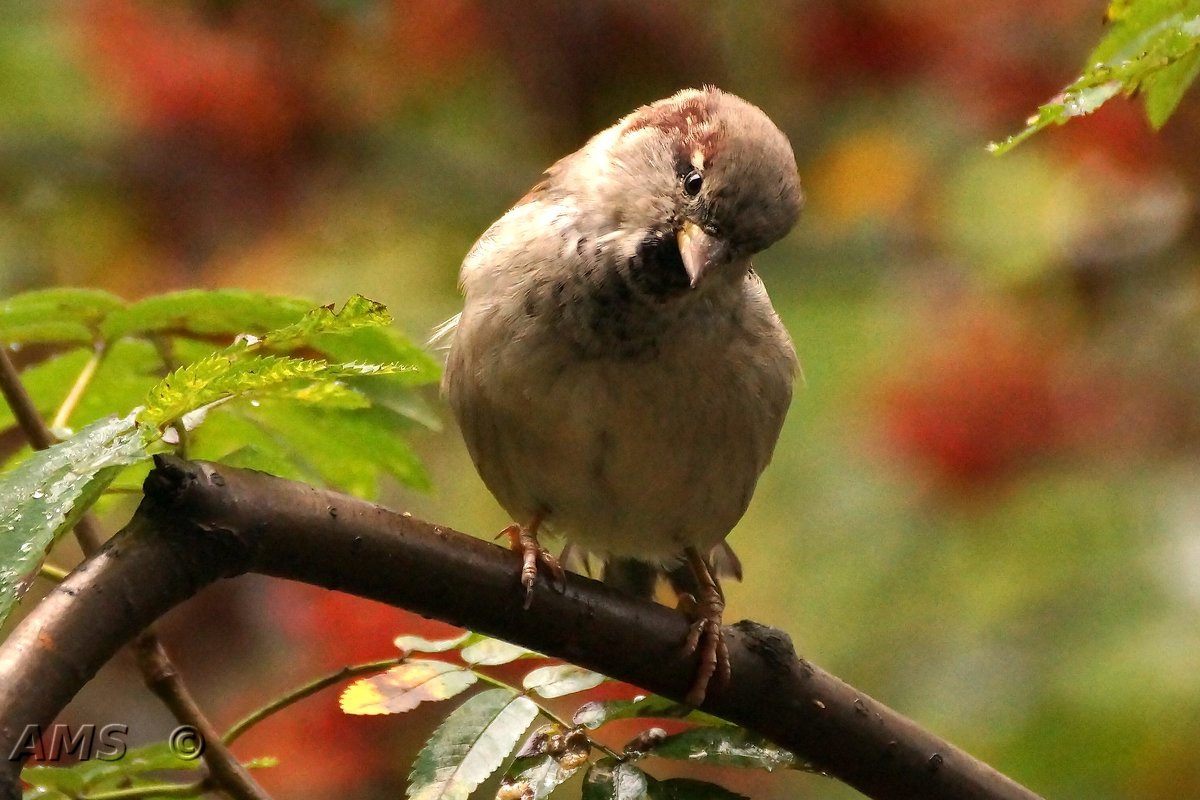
404	687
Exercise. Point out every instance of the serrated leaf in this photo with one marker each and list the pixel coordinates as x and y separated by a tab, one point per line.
405	686
223	313
42	496
470	745
593	715
381	346
561	679
691	789
609	779
1151	47
419	644
489	652
227	374
725	747
357	312
55	315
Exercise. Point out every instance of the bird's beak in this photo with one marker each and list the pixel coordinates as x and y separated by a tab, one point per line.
698	250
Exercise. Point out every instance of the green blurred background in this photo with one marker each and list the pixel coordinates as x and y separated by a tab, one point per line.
984	508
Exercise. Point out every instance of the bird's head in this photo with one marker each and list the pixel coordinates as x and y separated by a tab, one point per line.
703	179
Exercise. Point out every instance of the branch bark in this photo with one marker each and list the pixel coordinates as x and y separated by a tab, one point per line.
200	522
159	672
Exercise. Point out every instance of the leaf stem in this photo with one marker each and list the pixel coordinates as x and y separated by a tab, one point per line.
305	690
82	382
157	790
53	573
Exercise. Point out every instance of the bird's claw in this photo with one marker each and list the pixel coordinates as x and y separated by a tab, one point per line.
523	539
706	638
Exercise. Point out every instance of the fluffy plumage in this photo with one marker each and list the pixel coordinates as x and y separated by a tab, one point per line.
618	372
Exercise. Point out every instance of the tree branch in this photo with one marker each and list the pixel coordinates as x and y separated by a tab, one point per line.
200	522
160	674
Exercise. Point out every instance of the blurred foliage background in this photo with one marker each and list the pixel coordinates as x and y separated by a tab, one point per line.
984	507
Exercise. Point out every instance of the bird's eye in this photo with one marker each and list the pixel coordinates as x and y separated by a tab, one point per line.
692	183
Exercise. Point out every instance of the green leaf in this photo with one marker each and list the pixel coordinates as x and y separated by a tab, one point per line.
470	745
492	652
348	450
609	779
1153	47
691	789
549	757
130	770
55	315
380	346
561	679
725	747
227	374
221	314
43	496
652	706
64	779
405	686
358	312
418	644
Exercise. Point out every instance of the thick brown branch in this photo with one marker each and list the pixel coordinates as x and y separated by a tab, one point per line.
200	522
160	674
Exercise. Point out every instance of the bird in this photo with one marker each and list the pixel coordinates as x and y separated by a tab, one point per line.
618	373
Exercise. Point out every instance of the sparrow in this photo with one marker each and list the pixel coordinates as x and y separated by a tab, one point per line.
618	372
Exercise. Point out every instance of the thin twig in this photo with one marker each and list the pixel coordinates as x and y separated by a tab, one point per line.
82	382
306	690
22	404
159	673
164	680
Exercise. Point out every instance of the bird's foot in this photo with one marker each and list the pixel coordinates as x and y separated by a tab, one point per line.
523	539
706	639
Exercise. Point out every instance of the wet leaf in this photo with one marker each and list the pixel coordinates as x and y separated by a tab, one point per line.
725	747
405	686
470	745
593	715
561	679
609	779
44	495
1152	47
